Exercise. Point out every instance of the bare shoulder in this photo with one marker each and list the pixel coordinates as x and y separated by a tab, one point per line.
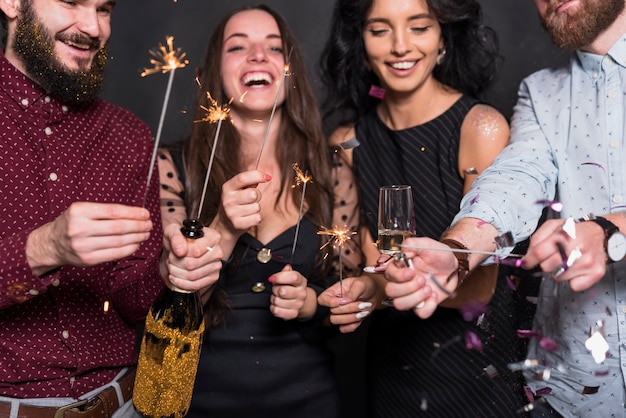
485	122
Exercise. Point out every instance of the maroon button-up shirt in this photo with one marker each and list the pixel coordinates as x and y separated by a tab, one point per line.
57	339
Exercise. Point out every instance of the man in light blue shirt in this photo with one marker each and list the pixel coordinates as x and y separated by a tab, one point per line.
567	146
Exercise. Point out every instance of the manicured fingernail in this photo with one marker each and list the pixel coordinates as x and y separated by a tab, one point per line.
362	314
268	177
344	301
271	279
364	305
380	268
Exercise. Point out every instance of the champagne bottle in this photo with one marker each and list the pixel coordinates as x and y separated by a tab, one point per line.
170	349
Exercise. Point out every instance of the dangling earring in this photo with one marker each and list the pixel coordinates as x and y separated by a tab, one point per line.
441	56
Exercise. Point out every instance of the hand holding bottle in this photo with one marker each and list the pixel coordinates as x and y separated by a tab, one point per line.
191	264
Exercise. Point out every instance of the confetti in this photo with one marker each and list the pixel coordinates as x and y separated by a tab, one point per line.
552	204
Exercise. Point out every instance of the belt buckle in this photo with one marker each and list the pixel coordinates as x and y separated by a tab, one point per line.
61	411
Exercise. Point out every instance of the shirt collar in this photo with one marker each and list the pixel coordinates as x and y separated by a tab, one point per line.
592	63
17	85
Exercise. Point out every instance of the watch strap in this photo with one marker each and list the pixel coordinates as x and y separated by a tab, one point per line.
609	227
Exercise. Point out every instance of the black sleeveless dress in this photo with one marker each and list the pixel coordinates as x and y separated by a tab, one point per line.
422	367
257	365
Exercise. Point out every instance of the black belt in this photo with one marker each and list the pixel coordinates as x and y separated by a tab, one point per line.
103	405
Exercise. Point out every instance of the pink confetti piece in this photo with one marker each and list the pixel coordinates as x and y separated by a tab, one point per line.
544	391
548	344
512	285
528	333
377	92
472	341
529	393
552	204
474	199
593	164
511	262
472	310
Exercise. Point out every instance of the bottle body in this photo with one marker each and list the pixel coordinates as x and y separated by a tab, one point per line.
169	355
169	352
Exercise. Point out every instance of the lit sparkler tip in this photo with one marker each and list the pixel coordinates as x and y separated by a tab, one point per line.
215	113
301	177
337	235
166	58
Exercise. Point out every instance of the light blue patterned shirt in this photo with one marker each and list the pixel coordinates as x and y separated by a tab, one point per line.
567	144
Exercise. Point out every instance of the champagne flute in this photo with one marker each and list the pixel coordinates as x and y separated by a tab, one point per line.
395	217
395	220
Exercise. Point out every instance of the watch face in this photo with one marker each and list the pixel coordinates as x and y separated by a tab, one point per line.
616	246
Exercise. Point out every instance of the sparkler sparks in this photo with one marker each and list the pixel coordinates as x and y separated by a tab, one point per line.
301	178
339	237
214	114
166	58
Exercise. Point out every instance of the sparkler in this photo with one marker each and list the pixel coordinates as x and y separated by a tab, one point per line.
301	178
214	114
166	59
340	237
269	122
456	250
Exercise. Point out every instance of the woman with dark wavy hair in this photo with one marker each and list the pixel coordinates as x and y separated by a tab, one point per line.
405	77
264	352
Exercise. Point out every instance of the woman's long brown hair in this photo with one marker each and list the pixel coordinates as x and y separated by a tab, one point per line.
300	140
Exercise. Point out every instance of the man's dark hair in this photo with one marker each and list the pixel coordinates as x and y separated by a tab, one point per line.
5	27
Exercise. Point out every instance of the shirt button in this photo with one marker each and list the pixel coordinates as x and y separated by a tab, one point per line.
53	176
56	282
33	292
25	102
617	199
65	334
594	75
47	99
611	95
623	309
48	130
613	144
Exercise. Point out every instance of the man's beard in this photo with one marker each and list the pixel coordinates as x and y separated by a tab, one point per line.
35	46
581	28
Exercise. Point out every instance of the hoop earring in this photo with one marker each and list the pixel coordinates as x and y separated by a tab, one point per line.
441	56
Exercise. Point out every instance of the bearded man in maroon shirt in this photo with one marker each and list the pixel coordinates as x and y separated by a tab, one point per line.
81	244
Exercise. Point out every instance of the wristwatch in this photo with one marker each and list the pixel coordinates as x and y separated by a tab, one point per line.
614	240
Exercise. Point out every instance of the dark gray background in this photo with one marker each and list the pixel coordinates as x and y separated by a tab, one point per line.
140	25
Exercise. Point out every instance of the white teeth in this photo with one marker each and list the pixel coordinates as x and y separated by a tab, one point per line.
75	45
257	78
404	65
